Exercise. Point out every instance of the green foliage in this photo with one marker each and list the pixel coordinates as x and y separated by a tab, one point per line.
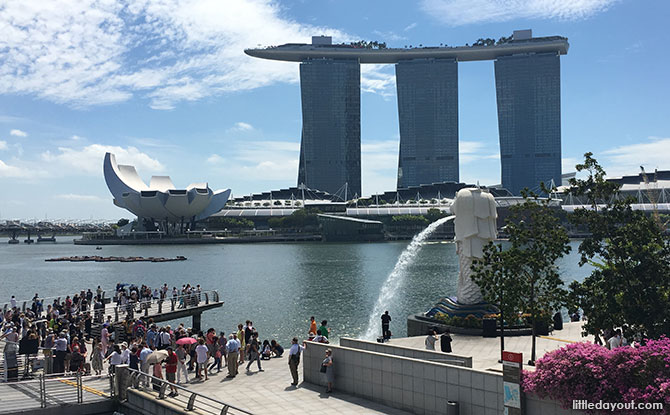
369	45
630	284
434	214
524	276
221	222
300	219
409	220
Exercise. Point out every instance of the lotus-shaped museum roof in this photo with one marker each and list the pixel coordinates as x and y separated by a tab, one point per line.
160	200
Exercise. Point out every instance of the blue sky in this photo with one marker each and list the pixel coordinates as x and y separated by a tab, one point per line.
165	85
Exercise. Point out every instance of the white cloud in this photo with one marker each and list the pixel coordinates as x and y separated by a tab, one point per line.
215	159
260	161
469	151
379	165
18	133
242	126
409	27
626	160
16	172
3	145
462	12
92	52
79	198
89	159
568	164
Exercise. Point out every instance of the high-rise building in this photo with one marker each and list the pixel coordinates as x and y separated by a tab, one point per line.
528	90
330	149
428	115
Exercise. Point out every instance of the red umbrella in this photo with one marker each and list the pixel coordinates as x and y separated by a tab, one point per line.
187	340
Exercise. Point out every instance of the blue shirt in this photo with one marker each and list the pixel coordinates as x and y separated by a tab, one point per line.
145	353
151	336
233	346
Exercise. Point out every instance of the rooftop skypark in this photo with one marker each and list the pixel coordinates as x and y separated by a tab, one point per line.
322	47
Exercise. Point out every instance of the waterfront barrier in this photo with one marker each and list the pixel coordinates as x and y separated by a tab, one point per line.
396	350
416	385
59	395
136	397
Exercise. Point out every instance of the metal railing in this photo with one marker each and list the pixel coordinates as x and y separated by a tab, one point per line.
189	399
24	305
163	305
49	391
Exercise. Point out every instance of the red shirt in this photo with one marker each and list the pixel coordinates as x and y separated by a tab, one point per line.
171	363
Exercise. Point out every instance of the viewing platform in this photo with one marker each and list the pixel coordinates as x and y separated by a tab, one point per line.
170	308
299	52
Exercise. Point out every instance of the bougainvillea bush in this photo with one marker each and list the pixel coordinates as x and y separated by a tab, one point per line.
586	371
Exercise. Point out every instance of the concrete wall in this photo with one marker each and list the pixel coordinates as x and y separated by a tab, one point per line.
417	386
396	350
143	403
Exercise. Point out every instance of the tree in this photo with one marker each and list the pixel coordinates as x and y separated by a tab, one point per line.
495	276
537	240
524	277
630	284
434	214
122	222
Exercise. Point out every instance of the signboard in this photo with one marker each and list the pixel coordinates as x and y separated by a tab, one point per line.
511	383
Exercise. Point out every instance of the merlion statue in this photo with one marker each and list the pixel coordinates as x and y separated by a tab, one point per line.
475	226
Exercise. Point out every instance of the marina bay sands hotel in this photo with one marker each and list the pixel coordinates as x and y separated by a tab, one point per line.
528	85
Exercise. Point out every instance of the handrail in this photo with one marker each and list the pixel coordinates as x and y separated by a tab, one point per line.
136	377
208	296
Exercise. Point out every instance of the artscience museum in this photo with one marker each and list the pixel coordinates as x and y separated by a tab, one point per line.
161	202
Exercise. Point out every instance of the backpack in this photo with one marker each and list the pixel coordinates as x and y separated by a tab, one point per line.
296	357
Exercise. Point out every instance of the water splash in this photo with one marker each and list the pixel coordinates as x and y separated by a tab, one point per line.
397	276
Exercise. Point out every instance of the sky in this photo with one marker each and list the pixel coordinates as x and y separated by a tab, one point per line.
165	85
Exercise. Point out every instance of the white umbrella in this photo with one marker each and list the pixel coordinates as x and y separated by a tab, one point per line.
157	357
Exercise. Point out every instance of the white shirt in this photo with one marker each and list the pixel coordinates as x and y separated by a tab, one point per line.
201	351
116	359
125	357
614	342
13	301
430	342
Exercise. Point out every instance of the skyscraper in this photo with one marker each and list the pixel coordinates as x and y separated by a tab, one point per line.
428	115
330	149
528	90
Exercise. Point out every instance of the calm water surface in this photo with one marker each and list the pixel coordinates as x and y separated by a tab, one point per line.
277	286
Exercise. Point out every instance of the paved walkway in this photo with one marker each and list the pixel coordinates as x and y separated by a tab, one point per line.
270	392
485	351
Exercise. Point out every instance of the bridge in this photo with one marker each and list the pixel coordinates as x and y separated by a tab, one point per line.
46	231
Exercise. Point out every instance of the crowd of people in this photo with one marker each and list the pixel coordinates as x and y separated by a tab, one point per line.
64	333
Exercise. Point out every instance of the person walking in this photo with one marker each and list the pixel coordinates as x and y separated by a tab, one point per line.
96	358
327	368
181	363
386	321
233	347
171	370
294	359
254	352
202	355
144	366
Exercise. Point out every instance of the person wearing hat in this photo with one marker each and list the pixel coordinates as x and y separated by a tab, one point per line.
125	354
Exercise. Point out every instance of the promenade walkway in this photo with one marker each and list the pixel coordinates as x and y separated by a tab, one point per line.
271	392
485	351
